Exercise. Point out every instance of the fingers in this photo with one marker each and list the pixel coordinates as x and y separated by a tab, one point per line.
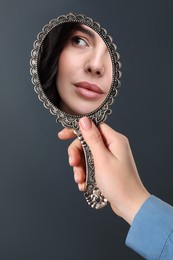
66	133
75	153
105	144
93	138
76	157
115	142
77	161
103	140
79	174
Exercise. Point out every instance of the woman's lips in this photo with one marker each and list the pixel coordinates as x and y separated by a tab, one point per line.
88	90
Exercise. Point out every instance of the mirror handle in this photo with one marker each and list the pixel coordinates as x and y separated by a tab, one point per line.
92	193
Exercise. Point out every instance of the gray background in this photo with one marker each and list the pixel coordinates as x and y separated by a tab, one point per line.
42	213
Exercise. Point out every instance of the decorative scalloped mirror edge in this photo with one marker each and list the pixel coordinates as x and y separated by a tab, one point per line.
98	115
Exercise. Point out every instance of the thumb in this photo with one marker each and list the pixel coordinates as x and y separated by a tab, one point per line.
93	138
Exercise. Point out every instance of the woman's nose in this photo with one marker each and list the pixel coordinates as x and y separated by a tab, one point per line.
95	65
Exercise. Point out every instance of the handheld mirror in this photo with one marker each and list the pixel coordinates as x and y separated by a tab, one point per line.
75	70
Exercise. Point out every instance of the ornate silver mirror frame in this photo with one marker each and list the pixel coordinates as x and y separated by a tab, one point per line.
92	194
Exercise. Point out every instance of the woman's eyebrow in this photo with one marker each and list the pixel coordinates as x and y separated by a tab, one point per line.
86	31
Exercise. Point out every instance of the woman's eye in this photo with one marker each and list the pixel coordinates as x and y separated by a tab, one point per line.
79	41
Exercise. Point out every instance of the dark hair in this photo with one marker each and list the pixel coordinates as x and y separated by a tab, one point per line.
49	54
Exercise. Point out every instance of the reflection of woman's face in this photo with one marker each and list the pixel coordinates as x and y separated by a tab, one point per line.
84	72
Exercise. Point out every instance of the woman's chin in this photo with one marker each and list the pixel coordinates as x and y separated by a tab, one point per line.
79	108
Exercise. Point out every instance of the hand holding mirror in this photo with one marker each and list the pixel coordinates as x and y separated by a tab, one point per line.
75	71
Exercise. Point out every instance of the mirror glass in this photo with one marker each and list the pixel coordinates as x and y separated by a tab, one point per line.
75	68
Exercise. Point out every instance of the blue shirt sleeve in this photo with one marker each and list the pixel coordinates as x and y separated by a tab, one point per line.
151	233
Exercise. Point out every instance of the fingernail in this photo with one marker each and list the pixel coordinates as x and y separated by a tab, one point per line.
81	186
76	179
70	160
59	133
85	123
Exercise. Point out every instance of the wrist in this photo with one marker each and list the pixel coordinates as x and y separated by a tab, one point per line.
133	205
